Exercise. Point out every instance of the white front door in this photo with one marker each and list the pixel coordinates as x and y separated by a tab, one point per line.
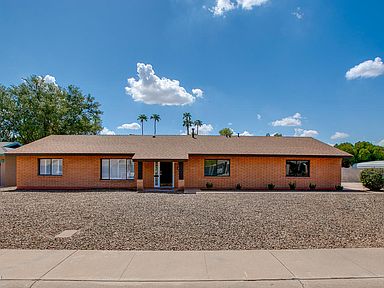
156	175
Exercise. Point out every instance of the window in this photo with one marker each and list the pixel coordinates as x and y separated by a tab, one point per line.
51	167
181	170
117	169
216	168
140	170
297	168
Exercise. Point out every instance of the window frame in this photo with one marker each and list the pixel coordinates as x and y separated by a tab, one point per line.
129	163
50	170
216	159
297	176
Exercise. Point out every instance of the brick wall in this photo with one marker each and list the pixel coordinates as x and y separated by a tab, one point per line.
2	171
78	172
250	172
257	172
148	170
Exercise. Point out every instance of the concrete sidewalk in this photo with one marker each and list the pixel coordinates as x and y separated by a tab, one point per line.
255	268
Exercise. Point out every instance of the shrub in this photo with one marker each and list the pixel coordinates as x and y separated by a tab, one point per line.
238	186
209	185
312	186
339	188
373	178
270	186
292	185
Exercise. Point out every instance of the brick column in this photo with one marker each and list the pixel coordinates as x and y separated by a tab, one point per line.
140	185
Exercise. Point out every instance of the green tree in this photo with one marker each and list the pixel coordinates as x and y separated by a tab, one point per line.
7	132
227	132
198	123
155	118
362	151
187	121
35	109
142	118
349	148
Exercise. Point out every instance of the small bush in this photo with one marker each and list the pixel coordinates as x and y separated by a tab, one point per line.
339	188
292	185
209	185
312	186
270	186
373	178
238	186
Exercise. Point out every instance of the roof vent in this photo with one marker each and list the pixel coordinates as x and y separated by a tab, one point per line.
238	134
193	132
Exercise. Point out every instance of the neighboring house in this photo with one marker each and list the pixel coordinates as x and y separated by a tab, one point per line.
370	164
147	162
7	164
352	174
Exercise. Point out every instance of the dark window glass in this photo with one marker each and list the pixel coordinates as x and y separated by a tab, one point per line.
140	170
51	167
216	168
297	168
181	170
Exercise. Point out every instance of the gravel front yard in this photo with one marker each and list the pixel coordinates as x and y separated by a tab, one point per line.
124	220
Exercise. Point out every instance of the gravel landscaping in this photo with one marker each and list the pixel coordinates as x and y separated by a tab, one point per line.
134	221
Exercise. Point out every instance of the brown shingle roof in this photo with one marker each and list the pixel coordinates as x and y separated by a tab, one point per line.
178	147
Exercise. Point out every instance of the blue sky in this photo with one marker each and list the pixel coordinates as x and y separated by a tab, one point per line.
262	65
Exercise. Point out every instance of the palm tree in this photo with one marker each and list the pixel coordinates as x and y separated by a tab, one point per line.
142	118
156	118
187	121
198	123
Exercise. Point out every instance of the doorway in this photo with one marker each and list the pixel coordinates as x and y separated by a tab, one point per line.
163	174
166	172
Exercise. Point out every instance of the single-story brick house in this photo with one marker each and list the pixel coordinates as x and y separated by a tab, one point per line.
178	162
8	164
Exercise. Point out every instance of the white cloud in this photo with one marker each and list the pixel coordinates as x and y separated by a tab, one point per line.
130	126
49	79
298	13
381	143
294	120
339	135
366	69
230	123
198	92
223	6
106	131
305	133
249	4
151	89
258	116
246	133
205	129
